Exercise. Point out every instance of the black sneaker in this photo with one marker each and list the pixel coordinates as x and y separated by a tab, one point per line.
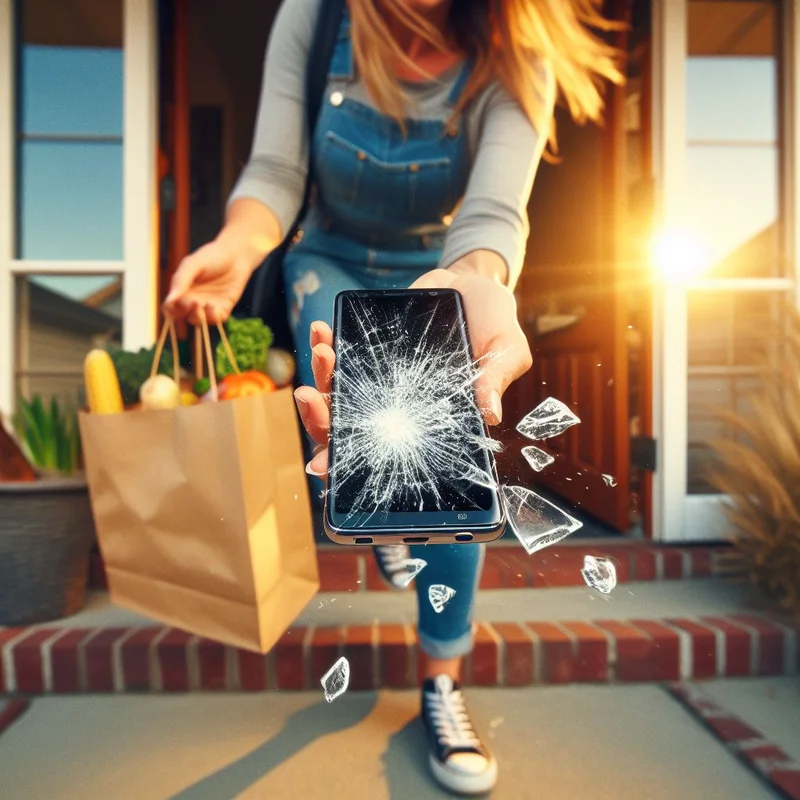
459	760
392	560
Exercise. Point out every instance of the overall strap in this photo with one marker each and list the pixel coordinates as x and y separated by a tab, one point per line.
332	15
342	64
460	82
267	281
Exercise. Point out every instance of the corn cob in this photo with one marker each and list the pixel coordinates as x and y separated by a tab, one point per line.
102	385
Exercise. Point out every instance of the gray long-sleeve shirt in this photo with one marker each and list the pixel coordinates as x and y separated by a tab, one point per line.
505	148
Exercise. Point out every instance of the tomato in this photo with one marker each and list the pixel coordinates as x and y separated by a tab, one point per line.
245	384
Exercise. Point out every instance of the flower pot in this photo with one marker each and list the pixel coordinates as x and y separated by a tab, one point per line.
46	533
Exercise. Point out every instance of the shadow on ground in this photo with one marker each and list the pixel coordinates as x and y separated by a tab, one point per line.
405	760
300	730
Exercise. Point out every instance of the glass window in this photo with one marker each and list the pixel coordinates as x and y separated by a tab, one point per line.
732	125
69	130
59	319
733	336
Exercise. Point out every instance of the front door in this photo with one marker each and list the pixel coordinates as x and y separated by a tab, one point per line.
573	298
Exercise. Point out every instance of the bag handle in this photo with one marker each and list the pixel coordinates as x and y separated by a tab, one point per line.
202	337
168	327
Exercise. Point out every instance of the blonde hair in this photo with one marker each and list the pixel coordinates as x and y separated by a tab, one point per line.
505	39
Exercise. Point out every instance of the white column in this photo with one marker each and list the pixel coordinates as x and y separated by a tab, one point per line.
670	353
6	209
139	174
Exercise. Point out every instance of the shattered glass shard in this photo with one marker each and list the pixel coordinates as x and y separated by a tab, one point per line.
536	522
336	680
599	573
550	418
411	568
610	480
439	596
537	458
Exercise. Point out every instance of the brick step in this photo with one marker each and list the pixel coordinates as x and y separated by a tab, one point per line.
344	569
155	659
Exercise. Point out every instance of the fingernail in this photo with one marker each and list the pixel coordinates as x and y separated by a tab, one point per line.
313	472
301	401
496	407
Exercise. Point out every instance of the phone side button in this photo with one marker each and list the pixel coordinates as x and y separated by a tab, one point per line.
363	540
464	537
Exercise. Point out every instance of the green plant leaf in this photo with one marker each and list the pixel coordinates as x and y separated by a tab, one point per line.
32	433
48	434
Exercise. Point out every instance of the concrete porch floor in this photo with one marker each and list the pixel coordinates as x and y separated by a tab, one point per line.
552	743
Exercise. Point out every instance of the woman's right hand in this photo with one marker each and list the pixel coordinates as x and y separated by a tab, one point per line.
211	279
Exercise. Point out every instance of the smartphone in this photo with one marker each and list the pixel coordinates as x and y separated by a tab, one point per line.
410	457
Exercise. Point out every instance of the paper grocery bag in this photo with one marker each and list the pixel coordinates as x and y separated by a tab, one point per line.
203	515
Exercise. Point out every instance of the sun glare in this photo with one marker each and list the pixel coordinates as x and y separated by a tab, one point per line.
680	255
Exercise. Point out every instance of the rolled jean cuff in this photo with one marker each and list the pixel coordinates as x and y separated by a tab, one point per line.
451	648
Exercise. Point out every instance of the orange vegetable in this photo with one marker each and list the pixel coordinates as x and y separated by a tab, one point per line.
245	384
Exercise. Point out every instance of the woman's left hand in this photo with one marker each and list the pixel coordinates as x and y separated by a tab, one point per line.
496	338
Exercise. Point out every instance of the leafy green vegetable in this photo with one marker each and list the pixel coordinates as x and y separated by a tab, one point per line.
250	341
201	386
133	369
48	435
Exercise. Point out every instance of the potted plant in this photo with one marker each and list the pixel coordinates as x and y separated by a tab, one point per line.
46	525
759	470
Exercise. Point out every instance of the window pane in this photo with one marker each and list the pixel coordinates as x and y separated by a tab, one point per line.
707	395
732	125
731	99
733	336
70	200
74	90
58	320
733	329
732	195
69	130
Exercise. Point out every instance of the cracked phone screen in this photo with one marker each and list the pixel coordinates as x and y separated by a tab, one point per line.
407	435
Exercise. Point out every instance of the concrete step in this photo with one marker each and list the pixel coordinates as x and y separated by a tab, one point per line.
641	632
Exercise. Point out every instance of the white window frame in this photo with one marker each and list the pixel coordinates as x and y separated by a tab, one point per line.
139	264
677	515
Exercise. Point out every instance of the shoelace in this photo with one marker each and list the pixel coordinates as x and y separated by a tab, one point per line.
449	717
393	555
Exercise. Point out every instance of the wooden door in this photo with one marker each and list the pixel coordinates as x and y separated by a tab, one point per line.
174	139
575	268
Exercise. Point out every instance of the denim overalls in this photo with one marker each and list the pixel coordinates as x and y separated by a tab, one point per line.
379	220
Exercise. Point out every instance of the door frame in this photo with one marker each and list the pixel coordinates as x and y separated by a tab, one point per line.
139	264
677	515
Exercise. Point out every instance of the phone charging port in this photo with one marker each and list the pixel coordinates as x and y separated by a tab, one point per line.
363	540
463	537
415	539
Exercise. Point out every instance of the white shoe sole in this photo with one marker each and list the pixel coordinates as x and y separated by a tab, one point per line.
465	784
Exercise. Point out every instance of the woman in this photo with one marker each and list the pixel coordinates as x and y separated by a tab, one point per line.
436	116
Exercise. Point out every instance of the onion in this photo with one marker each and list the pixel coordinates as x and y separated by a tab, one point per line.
280	366
159	392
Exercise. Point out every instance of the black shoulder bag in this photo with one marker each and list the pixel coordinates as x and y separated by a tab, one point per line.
264	295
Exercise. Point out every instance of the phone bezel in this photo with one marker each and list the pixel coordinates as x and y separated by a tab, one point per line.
450	526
